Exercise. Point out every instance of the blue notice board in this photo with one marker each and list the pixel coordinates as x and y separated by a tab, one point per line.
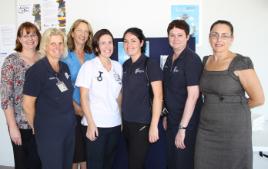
155	48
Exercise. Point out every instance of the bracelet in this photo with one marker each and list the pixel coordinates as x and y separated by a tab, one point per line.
182	127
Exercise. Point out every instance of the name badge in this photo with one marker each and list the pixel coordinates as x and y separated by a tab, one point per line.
62	87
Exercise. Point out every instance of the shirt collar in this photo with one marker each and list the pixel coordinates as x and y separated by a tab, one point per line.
182	54
99	64
87	56
50	69
140	60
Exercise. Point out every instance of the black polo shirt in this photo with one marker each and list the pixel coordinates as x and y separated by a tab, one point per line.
185	71
54	110
136	106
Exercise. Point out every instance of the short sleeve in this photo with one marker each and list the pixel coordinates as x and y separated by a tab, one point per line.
241	63
205	59
154	70
84	75
119	69
33	81
193	70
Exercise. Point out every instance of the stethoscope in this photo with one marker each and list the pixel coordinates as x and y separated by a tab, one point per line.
99	78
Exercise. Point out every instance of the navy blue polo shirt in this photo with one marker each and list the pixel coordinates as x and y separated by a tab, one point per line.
54	109
136	106
185	71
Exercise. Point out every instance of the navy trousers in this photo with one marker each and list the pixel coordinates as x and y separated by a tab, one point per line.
101	152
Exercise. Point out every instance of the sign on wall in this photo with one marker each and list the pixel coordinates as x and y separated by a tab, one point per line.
43	13
191	14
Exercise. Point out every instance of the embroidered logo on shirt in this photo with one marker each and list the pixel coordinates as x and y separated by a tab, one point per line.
176	69
117	78
66	75
139	70
52	78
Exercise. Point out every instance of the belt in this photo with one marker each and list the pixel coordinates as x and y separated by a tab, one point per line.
215	98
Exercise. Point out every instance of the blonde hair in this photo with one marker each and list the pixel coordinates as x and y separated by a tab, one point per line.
70	39
46	39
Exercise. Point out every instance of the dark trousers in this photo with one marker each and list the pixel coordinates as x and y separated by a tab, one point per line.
157	153
80	142
101	152
181	158
156	156
56	148
25	155
137	142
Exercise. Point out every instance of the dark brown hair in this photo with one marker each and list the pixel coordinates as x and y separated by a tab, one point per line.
225	23
139	34
96	39
29	28
178	23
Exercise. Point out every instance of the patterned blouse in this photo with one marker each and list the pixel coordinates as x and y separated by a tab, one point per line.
12	80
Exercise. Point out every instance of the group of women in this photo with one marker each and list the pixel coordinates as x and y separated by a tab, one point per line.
63	112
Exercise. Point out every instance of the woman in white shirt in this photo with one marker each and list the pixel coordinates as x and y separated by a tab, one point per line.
100	84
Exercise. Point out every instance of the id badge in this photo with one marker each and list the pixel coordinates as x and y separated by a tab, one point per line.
62	86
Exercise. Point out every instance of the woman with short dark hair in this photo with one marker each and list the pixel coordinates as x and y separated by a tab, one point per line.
182	99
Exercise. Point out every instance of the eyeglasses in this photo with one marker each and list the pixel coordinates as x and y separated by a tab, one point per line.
223	36
28	36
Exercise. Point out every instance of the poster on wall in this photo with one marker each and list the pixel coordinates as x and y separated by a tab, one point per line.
54	14
43	13
7	39
31	12
191	14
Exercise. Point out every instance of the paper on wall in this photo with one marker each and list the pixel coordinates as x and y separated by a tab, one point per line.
7	39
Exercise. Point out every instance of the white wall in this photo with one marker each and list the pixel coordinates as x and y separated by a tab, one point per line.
7	16
249	18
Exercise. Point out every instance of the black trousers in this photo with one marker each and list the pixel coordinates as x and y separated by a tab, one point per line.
25	155
137	141
80	142
181	158
101	152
